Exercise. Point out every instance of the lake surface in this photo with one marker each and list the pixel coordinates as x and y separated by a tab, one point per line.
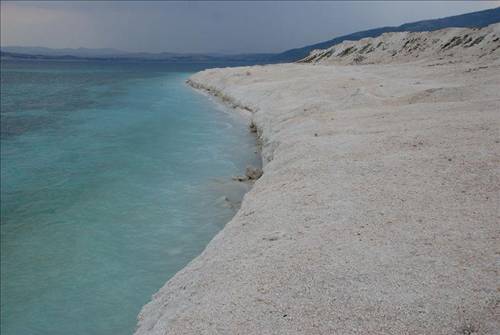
112	179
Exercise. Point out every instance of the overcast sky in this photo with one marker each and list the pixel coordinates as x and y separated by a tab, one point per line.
229	27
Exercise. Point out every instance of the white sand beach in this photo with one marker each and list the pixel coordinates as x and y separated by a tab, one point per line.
378	210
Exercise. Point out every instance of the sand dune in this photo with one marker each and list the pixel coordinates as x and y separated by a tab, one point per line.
453	43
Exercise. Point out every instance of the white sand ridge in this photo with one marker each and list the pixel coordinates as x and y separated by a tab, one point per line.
453	43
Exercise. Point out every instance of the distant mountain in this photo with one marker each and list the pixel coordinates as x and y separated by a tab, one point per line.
470	20
80	52
14	52
27	53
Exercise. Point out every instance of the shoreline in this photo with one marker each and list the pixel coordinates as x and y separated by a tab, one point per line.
376	213
228	106
234	107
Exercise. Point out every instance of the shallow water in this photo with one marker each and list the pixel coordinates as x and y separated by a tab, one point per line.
111	180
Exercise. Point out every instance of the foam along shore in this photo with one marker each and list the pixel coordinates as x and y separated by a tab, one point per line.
378	209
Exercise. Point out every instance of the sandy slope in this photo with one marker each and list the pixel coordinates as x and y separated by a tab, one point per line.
457	43
378	211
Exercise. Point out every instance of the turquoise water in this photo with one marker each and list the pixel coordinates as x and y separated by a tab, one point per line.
111	179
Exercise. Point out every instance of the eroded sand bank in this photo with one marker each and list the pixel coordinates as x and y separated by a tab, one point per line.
378	211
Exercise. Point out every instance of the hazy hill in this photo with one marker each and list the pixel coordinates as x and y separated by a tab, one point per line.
13	52
79	52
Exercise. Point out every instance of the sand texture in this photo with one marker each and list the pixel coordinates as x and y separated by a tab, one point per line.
378	210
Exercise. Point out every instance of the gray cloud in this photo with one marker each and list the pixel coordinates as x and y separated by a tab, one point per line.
206	26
